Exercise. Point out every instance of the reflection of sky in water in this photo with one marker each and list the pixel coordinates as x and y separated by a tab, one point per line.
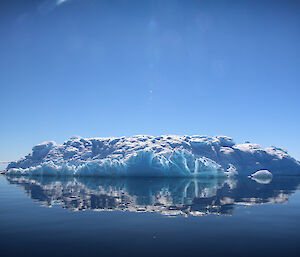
165	196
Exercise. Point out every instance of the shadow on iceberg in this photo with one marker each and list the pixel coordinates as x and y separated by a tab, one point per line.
176	196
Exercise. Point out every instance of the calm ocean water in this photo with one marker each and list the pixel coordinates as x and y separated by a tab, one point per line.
46	216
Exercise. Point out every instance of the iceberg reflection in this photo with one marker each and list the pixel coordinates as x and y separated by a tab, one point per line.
165	196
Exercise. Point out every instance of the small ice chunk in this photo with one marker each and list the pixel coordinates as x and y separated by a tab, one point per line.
262	176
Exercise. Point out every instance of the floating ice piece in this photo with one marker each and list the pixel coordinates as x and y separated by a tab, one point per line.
262	176
144	155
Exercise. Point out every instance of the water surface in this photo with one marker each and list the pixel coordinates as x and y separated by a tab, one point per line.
46	216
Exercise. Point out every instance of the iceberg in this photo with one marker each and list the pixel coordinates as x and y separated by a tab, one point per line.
149	156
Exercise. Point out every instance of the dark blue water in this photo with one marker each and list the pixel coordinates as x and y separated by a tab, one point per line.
149	217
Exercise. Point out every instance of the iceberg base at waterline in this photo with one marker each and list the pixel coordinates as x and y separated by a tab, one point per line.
149	156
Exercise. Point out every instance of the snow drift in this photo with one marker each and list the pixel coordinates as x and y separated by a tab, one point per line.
142	155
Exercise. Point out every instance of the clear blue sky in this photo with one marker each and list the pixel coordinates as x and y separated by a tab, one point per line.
118	68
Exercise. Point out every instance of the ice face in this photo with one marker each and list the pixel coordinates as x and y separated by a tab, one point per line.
143	155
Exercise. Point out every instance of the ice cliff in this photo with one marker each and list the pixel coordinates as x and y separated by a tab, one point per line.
142	155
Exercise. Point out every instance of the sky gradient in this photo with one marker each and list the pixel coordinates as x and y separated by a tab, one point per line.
120	68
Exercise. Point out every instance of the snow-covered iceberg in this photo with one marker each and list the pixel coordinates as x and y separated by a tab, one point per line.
163	156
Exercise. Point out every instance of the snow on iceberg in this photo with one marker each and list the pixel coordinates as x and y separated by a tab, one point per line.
142	155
